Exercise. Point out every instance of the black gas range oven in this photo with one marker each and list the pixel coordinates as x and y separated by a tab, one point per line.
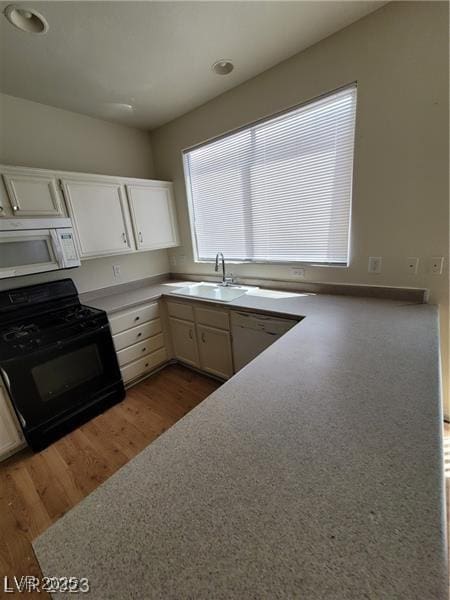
57	360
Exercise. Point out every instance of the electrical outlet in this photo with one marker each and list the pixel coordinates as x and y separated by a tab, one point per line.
116	270
374	264
436	265
298	272
412	265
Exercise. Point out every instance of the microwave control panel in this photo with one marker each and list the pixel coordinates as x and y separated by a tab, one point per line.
68	247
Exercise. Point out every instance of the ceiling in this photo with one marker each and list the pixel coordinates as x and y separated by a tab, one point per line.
156	56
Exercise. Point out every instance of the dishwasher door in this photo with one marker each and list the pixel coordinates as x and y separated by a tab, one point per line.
253	333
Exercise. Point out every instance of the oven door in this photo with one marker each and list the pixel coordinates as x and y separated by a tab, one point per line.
26	252
53	382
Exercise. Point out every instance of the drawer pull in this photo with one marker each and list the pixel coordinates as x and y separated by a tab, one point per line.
137	318
146	364
203	337
143	349
139	334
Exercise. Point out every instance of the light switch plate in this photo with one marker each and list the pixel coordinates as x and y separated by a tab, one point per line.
412	265
436	265
374	264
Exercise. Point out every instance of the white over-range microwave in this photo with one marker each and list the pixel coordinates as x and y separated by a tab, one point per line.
36	245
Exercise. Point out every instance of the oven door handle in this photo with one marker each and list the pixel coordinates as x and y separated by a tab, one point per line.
63	344
85	334
7	382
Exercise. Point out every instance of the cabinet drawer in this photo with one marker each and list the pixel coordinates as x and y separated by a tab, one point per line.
212	317
143	365
136	334
141	349
181	311
134	316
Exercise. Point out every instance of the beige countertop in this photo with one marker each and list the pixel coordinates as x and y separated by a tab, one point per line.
315	472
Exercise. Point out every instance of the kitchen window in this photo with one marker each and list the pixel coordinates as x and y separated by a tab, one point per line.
278	190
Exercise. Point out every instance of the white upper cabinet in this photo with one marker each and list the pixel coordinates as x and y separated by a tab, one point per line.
99	211
110	215
31	193
153	214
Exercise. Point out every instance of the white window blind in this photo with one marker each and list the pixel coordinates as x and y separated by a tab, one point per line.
279	190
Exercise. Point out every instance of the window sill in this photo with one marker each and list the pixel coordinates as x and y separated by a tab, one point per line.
276	263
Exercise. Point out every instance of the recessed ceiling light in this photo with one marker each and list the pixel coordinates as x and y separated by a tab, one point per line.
26	19
223	66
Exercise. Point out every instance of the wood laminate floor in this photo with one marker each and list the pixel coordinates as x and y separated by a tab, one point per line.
37	489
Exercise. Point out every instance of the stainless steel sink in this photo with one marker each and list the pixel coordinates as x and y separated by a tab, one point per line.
212	291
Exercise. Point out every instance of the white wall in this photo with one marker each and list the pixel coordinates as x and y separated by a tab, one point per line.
399	57
36	135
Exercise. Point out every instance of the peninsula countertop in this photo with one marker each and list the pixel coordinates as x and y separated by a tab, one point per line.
315	472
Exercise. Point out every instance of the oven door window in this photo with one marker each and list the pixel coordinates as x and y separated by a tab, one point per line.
67	372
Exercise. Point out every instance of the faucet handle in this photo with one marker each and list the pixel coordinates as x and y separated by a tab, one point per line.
228	280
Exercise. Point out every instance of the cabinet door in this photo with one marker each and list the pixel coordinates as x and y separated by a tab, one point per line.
10	434
33	193
153	214
100	217
184	341
215	351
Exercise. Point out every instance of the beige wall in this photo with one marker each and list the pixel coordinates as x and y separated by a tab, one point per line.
35	135
399	57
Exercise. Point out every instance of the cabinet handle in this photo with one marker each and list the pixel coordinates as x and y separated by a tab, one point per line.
190	334
139	334
146	364
15	207
1	209
137	318
143	349
124	238
141	239
203	337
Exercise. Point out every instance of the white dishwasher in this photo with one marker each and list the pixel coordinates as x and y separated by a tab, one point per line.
252	333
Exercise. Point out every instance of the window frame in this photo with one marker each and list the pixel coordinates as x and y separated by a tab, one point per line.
248	125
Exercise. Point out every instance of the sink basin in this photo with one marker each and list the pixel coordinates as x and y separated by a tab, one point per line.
212	291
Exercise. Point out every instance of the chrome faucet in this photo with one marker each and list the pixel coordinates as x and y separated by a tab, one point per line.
225	280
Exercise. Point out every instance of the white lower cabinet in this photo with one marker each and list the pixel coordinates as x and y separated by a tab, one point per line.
139	340
201	337
184	341
11	437
215	351
139	368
